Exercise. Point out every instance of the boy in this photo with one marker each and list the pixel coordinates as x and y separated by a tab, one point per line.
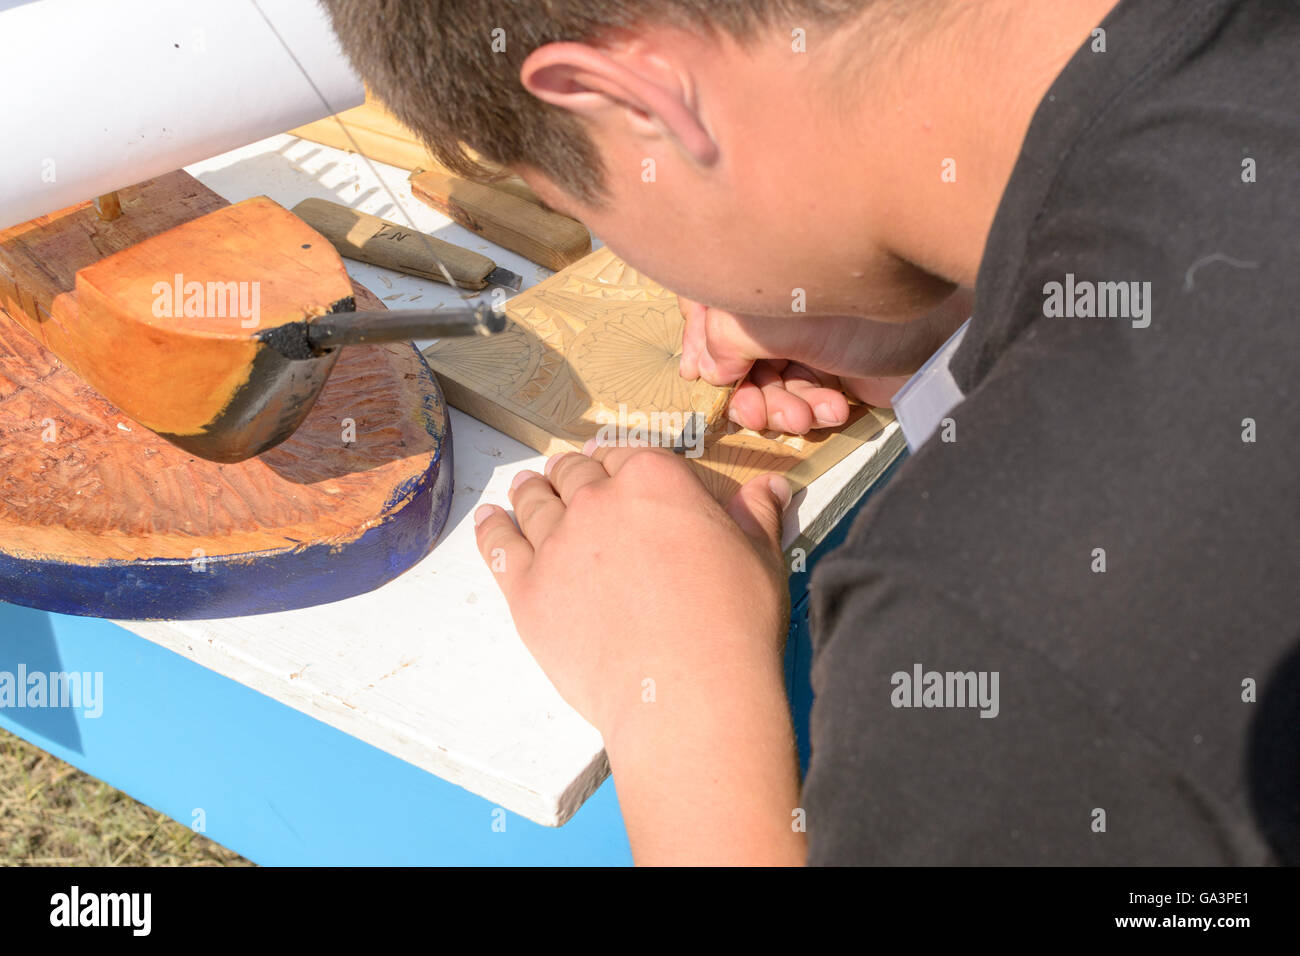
1103	534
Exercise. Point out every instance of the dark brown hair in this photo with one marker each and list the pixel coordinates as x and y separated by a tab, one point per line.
432	63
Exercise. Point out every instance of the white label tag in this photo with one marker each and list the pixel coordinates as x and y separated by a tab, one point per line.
930	394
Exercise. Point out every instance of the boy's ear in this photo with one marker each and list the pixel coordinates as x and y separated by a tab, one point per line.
648	95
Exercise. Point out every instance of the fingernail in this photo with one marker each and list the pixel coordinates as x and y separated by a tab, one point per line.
826	414
781	490
591	445
777	421
523	476
732	414
550	463
481	514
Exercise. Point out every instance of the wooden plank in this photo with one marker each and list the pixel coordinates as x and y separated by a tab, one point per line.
545	237
596	346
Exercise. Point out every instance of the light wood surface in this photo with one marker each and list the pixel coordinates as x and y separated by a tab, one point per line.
506	211
536	233
379	136
595	347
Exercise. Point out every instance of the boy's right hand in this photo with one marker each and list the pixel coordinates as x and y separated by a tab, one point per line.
796	371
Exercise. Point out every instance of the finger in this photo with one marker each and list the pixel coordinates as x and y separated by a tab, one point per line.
721	372
727	353
570	471
748	408
829	406
692	338
507	552
758	508
767	372
786	412
614	458
826	379
876	391
538	509
815	405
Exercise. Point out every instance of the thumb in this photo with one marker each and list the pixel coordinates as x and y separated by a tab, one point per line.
731	343
758	507
726	346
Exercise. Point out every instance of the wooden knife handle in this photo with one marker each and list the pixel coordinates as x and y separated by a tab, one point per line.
533	231
366	238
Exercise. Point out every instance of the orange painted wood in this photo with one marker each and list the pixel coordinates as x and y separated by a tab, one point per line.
164	325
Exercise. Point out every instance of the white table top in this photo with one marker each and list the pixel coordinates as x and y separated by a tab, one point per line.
429	667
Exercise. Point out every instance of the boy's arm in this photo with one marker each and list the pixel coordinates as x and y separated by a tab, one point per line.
660	617
712	778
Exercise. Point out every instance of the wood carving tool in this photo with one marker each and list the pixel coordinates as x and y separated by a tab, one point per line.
366	238
535	232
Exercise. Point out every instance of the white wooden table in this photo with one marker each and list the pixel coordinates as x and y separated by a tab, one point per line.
429	667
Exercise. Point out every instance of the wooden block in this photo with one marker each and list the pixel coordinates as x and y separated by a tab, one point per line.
131	333
599	335
100	516
159	309
536	233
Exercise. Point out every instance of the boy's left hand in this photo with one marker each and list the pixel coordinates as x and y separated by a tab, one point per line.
794	372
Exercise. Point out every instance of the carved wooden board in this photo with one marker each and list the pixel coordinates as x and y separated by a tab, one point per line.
597	336
100	516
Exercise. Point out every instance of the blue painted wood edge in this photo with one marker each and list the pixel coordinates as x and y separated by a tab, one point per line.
266	780
257	582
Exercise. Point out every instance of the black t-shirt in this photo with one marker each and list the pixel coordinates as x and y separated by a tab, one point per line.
1110	525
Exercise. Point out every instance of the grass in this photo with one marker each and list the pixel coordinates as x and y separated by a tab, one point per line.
52	814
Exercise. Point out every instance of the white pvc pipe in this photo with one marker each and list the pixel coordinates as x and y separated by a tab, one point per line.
96	95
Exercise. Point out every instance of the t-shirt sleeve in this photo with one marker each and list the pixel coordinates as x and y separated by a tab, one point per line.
1018	767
